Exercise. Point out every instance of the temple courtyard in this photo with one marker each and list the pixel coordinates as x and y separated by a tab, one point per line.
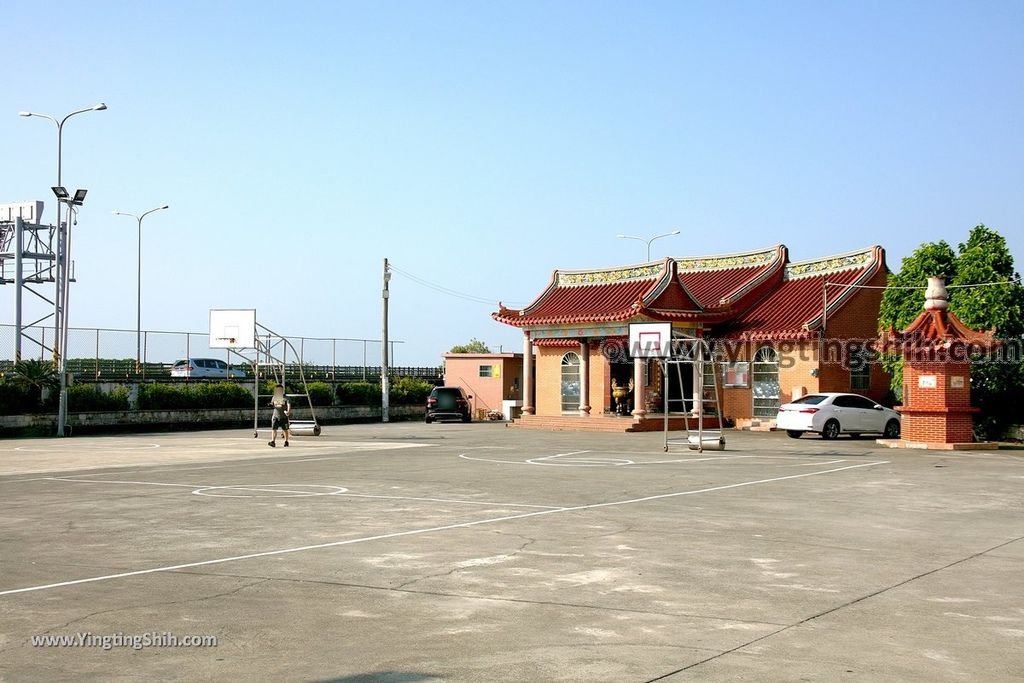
408	552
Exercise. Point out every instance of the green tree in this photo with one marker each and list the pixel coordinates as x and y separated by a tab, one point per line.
474	346
34	376
901	306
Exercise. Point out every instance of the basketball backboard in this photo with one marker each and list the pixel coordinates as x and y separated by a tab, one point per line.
232	328
650	340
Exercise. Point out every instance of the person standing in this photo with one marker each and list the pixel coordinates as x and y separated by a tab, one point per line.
282	410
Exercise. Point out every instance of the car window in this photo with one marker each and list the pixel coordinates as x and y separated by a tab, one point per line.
861	402
221	365
810	399
844	402
180	363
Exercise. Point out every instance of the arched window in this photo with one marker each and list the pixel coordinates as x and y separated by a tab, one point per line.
570	383
764	374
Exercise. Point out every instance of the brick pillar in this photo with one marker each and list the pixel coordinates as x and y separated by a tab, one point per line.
528	408
937	402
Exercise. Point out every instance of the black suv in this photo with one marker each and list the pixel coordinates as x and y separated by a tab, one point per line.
448	403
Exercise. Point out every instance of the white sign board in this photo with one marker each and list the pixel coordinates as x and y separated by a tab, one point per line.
926	382
956	382
650	340
232	328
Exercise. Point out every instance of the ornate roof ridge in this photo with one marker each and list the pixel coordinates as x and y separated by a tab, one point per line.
739	259
610	275
850	260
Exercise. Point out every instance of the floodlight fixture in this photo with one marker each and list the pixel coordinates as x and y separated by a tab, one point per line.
61	193
79	197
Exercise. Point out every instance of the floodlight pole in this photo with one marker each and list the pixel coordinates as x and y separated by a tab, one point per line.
60	313
641	239
138	291
384	384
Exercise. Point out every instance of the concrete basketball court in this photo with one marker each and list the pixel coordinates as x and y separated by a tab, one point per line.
448	552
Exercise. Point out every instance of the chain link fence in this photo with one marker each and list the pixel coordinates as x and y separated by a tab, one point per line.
110	354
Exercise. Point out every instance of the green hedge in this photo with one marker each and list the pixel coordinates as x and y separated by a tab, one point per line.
173	397
14	400
401	391
89	398
320	393
358	394
409	391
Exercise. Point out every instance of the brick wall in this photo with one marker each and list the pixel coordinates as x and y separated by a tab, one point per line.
857	320
939	414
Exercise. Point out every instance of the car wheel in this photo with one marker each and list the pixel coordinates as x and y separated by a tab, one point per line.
892	429
429	419
794	433
830	430
467	418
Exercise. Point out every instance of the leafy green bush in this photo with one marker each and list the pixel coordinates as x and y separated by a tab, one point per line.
35	377
175	397
358	394
89	398
320	393
409	391
221	395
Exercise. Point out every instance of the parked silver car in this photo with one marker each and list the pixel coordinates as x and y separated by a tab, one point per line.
206	367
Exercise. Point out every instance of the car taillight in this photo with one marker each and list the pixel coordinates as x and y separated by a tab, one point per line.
431	401
809	410
459	402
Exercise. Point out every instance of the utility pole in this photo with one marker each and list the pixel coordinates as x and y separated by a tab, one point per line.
384	389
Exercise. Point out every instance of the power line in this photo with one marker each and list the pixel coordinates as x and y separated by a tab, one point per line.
1014	281
445	290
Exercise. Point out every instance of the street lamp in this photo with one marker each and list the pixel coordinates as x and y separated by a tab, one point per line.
61	290
138	296
656	237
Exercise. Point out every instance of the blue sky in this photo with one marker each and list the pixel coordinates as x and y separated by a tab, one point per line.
479	146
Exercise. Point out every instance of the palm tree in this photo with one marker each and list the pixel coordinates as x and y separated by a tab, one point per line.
33	376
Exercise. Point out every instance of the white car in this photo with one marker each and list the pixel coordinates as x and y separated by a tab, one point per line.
832	414
206	367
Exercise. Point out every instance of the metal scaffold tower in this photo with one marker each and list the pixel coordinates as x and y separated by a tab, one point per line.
29	259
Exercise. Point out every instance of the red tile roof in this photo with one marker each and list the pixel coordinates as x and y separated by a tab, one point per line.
748	295
793	310
587	296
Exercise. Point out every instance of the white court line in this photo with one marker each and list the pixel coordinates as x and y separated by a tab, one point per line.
812	464
251	487
427	530
598	461
121	481
448	500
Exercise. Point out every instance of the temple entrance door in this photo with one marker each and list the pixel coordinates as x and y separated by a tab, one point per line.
621	370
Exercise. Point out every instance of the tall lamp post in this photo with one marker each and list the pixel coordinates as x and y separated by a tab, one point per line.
641	239
61	290
138	295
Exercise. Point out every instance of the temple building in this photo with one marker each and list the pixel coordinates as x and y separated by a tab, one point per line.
779	330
